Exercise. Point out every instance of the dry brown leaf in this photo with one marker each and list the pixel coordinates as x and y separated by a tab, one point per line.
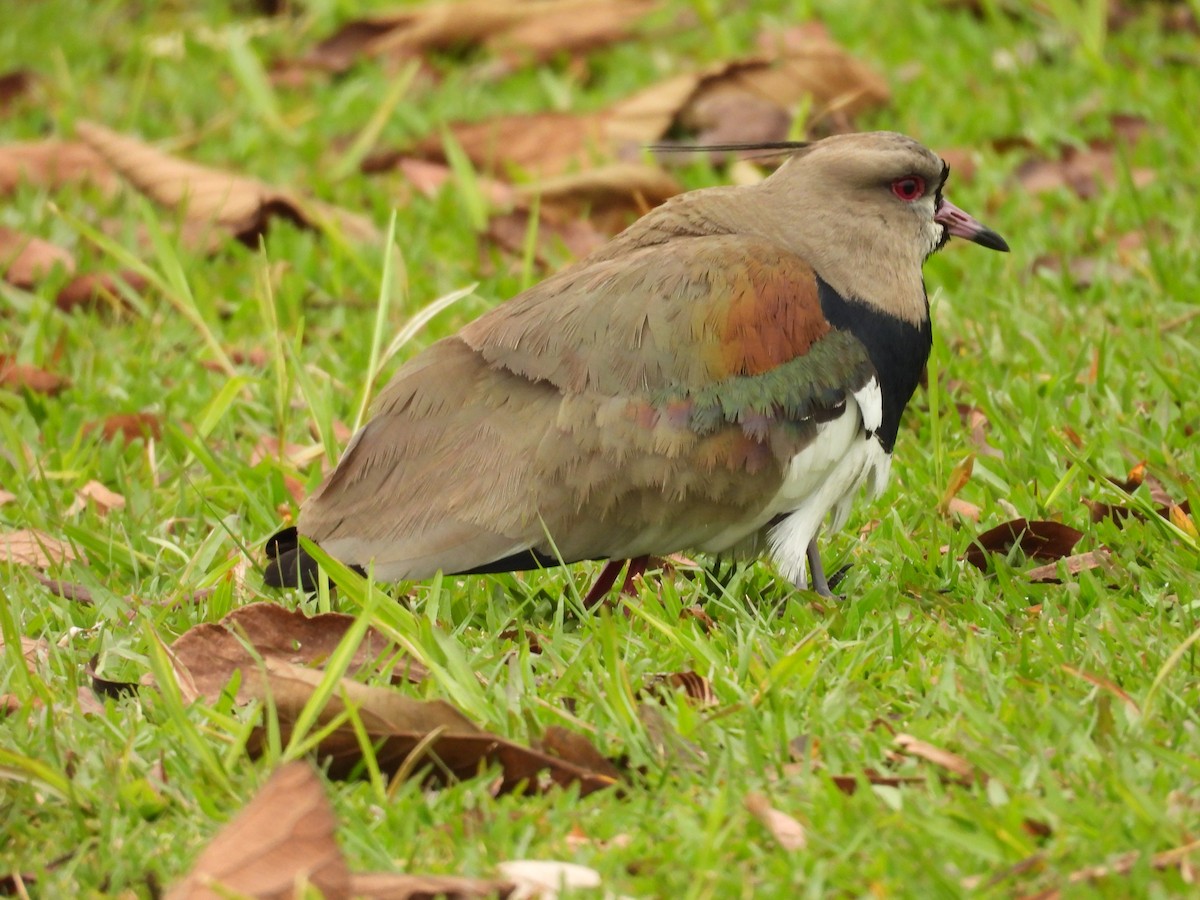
288	636
401	886
612	196
97	496
577	749
26	260
788	833
848	784
241	205
52	164
569	27
284	838
959	477
695	686
1090	169
14	85
1037	538
545	879
1105	684
68	590
100	289
36	549
950	761
34	651
1073	565
20	376
6	497
207	657
539	28
129	427
550	143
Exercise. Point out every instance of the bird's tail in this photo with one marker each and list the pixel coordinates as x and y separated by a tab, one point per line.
288	565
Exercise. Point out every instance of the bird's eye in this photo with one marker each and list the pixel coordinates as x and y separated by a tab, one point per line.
909	188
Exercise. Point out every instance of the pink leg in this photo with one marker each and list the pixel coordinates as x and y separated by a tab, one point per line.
603	584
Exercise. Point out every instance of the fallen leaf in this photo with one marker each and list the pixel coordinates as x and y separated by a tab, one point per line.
290	637
34	651
695	686
401	886
32	548
282	840
241	205
547	144
539	29
848	784
6	497
788	833
546	878
100	289
21	376
106	687
97	496
68	590
129	427
1089	169
1105	684
25	260
1037	538
14	85
53	164
578	750
959	476
611	196
447	743
936	755
1159	497
1073	565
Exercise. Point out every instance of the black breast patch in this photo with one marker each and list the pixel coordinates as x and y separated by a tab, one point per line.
898	350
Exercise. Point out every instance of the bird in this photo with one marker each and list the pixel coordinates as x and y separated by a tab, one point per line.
725	375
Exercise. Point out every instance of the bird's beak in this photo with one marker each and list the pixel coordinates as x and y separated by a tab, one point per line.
964	225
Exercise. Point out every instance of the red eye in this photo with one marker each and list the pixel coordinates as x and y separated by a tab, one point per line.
909	188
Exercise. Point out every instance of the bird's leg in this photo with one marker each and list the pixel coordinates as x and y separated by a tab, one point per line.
604	583
637	566
816	571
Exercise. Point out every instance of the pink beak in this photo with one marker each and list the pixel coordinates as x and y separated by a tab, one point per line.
964	225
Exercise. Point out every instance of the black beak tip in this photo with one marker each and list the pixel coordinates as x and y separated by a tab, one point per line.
991	240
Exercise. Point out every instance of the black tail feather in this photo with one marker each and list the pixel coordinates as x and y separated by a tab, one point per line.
288	564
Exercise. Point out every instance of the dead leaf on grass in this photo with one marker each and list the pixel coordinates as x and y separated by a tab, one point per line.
402	886
1072	565
538	28
1038	538
243	206
68	590
545	879
129	427
281	841
577	749
21	376
788	832
1105	684
100	290
442	738
959	476
34	651
1090	169
1160	498
611	196
548	144
14	86
98	497
36	549
52	164
951	762
26	260
6	497
696	687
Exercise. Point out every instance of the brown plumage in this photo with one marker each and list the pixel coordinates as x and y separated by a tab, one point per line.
721	375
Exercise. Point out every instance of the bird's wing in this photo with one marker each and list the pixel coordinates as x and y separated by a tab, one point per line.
645	404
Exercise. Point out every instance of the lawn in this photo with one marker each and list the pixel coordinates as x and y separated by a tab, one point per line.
153	437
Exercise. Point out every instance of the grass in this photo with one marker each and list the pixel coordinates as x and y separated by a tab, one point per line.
986	665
